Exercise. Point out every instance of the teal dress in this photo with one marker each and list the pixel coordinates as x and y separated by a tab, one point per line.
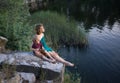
42	41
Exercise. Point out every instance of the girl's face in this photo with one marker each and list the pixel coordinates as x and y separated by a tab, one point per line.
42	29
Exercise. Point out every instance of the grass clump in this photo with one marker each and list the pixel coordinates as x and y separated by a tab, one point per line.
58	29
7	71
70	78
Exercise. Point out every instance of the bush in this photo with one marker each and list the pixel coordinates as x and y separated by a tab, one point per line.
14	25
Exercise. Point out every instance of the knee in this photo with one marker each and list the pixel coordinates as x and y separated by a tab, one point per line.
40	56
55	53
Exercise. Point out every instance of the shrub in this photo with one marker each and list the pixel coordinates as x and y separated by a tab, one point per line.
14	25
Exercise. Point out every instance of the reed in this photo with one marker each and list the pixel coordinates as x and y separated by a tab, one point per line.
59	30
71	78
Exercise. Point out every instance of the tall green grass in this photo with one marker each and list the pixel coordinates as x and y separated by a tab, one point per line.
58	29
14	25
71	78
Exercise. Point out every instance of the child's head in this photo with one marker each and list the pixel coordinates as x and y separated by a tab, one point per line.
35	40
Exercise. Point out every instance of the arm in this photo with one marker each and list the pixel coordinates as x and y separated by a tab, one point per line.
42	51
33	40
33	49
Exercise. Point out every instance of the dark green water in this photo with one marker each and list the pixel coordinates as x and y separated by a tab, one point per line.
100	61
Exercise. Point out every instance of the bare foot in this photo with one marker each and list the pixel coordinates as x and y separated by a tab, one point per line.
52	61
69	64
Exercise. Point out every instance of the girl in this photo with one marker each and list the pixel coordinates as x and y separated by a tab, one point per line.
40	36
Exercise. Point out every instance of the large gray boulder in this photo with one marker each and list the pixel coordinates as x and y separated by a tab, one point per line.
3	42
29	65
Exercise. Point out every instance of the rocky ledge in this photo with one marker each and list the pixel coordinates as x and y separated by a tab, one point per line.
29	68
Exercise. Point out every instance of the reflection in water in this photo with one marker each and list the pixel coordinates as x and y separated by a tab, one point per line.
88	11
100	61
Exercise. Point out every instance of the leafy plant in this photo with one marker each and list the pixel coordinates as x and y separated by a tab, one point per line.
15	26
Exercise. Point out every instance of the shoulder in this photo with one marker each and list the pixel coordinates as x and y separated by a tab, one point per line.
41	35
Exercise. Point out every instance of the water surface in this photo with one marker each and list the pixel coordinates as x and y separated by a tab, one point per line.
100	61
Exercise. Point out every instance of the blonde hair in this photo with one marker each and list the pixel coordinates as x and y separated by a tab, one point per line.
35	39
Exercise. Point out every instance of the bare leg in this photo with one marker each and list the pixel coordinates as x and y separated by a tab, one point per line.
58	58
38	54
49	60
50	56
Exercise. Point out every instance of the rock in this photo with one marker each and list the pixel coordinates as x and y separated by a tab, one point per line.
33	67
29	77
3	42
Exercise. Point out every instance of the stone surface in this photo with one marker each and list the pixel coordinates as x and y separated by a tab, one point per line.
3	42
27	77
30	67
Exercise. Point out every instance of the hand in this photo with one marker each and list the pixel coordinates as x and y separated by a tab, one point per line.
37	49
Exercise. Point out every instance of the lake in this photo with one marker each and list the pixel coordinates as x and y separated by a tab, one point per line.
99	62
